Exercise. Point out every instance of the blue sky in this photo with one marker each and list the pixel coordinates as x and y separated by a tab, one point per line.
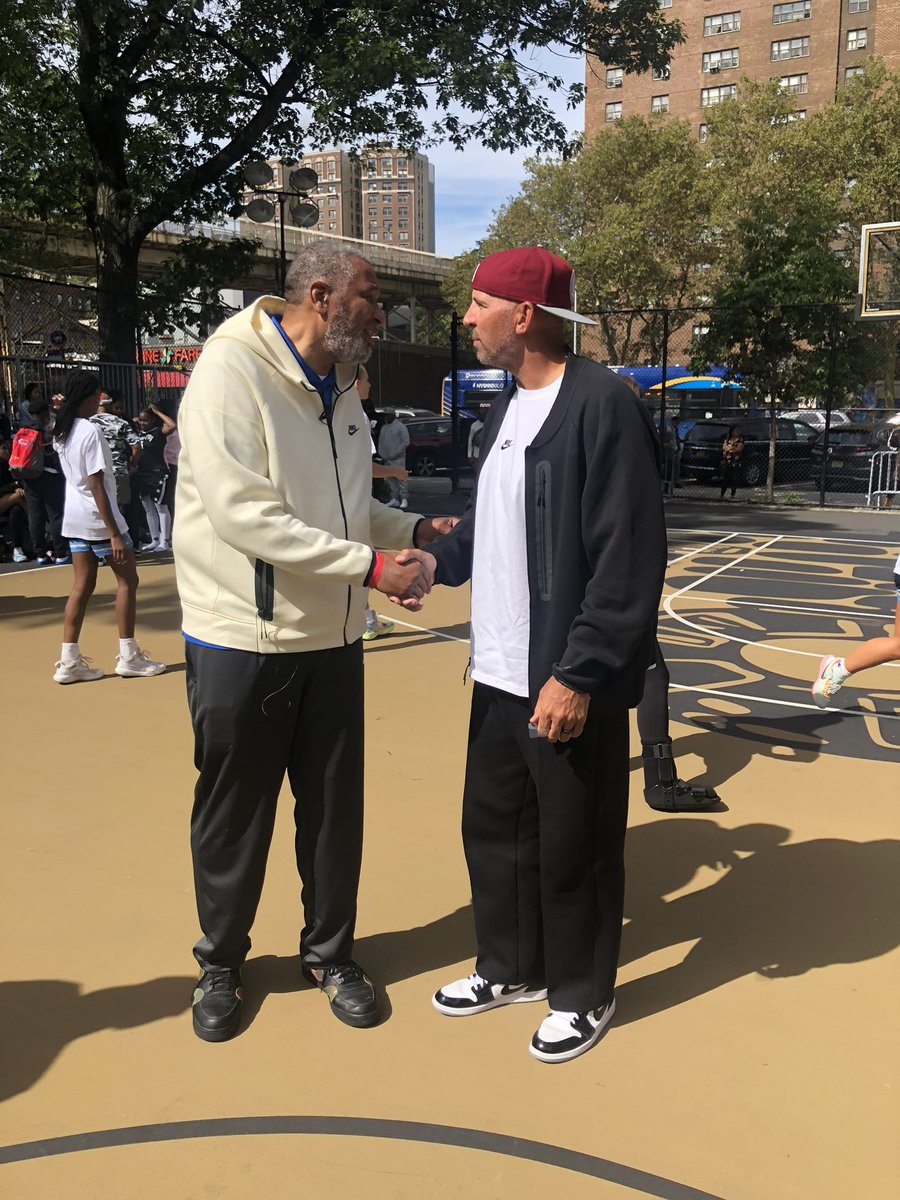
471	184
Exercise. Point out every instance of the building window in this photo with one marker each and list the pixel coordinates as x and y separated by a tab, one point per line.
373	212
715	95
387	237
371	166
857	39
859	6
373	186
403	224
799	115
404	237
662	73
721	60
373	224
386	166
388	185
332	225
797	85
402	166
659	104
614	77
798	11
703	132
614	112
790	48
721	23
402	212
664	3
850	72
373	236
700	331
403	197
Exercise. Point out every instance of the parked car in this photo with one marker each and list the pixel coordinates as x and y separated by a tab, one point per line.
850	451
815	417
701	450
431	445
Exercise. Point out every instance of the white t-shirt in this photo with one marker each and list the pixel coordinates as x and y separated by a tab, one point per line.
501	606
84	453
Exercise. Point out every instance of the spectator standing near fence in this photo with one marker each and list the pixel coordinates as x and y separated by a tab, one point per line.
154	428
125	448
97	532
45	493
393	441
732	457
13	509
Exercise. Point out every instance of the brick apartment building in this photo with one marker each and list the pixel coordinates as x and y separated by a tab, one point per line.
384	195
812	46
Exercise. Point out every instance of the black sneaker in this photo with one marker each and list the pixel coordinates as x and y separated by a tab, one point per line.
350	992
217	1005
565	1035
476	994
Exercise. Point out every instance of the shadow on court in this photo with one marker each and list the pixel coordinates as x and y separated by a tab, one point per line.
387	957
42	1016
777	910
730	747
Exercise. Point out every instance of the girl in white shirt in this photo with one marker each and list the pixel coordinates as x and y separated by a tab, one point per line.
97	532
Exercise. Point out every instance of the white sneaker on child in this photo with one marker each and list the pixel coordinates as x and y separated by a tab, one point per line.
78	671
138	664
828	682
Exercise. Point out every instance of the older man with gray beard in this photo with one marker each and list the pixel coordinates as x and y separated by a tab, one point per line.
274	533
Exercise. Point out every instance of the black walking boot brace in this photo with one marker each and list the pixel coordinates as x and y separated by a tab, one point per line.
663	790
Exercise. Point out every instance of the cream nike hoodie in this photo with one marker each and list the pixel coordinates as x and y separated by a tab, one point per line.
274	516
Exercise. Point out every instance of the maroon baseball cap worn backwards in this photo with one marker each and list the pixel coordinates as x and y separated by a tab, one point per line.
530	273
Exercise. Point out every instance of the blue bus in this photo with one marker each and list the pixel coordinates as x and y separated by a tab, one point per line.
474	387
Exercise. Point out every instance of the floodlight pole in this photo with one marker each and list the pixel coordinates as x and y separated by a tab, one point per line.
282	253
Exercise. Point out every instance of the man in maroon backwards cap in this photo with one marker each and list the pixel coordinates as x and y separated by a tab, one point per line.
564	543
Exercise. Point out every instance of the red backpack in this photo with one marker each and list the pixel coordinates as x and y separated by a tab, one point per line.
26	460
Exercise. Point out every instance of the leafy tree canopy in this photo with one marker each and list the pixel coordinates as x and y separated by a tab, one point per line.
128	113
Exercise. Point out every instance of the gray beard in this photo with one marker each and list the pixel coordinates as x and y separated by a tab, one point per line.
343	343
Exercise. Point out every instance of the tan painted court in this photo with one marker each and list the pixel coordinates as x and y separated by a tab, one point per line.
755	1054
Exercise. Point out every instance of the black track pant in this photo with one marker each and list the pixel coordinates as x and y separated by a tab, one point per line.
255	717
544	836
45	499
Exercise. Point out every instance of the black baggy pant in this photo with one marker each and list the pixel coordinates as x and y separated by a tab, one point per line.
255	717
544	837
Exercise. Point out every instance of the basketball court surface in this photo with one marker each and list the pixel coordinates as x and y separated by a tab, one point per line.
755	1054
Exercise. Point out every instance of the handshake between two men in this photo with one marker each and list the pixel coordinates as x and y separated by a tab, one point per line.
406	578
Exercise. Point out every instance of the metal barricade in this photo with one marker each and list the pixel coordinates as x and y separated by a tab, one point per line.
884	478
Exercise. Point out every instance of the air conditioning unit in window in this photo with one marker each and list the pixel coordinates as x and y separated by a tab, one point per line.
806	16
617	83
714	70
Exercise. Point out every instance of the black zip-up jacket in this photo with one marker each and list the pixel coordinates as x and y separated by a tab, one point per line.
595	537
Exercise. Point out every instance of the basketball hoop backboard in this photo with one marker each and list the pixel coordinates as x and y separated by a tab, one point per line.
879	272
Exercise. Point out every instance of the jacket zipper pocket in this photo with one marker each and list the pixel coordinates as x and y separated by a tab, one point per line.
544	531
265	592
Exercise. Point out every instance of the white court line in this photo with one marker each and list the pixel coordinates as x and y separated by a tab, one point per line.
728	637
793	537
851	712
702	549
434	632
767	606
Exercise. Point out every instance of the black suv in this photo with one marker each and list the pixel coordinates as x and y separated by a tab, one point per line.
701	450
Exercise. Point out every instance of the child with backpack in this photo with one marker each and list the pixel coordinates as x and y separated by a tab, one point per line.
34	463
97	532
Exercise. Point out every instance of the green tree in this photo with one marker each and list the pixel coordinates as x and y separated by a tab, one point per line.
780	319
135	112
629	212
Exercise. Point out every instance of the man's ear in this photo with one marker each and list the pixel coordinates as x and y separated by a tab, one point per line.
319	293
524	316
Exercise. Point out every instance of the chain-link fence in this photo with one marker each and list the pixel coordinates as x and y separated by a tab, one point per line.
805	397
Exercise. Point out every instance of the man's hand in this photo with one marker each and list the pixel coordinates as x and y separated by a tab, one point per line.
434	527
560	713
407	578
119	553
429	566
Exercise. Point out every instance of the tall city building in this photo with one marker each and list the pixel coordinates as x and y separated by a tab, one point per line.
383	195
812	46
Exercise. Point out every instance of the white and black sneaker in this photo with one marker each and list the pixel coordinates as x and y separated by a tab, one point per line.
475	995
564	1035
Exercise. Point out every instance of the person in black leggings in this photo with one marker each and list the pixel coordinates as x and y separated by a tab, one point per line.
663	790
